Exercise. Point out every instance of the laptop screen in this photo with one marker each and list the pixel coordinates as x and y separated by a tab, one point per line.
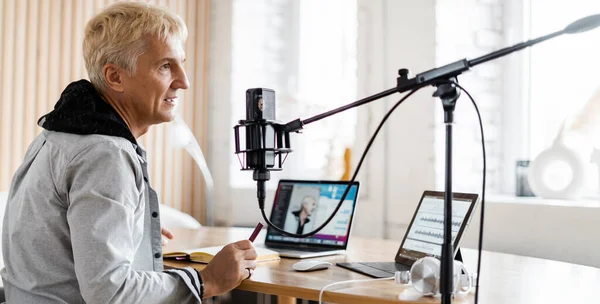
302	206
425	233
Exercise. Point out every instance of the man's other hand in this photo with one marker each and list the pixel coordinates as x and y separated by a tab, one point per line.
166	233
229	268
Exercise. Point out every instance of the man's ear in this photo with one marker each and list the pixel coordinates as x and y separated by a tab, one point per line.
113	75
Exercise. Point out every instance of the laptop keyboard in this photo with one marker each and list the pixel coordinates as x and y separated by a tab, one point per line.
387	266
375	269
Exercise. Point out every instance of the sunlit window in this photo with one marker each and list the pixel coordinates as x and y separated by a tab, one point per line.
305	51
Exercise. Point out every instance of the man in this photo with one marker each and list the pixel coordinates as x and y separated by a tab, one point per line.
82	222
299	218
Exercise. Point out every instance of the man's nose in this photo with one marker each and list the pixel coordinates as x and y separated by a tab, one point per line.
181	80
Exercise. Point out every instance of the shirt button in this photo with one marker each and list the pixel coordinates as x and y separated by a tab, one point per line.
154	214
157	255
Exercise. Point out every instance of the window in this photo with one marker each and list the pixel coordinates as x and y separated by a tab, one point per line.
562	79
306	52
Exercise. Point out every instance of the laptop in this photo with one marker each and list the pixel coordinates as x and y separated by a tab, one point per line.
425	233
300	206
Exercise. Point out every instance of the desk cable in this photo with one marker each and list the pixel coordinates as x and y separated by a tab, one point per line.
349	281
482	214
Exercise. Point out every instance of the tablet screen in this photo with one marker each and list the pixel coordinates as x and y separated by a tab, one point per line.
426	230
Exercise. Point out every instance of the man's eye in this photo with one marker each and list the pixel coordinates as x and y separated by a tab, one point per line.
165	66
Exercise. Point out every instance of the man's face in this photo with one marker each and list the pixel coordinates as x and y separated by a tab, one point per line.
152	90
309	206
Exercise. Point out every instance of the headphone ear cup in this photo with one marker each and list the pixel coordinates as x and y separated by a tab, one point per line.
425	276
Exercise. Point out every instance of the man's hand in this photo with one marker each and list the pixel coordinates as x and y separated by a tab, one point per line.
168	234
228	268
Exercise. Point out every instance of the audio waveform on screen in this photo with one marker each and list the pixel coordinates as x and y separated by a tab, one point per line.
436	235
430	234
440	221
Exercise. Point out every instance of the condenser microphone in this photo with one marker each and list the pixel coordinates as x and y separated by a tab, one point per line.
260	107
265	139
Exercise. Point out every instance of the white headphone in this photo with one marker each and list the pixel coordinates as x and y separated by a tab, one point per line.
425	277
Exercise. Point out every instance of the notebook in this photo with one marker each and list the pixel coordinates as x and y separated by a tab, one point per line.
205	255
300	206
424	234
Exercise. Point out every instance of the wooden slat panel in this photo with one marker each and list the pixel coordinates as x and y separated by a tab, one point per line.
100	4
19	86
7	92
65	46
167	152
201	96
1	45
88	12
77	37
2	8
175	171
43	64
203	93
195	81
31	72
1	53
190	166
54	57
185	160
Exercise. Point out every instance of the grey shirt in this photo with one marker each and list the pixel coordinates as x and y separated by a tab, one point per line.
82	226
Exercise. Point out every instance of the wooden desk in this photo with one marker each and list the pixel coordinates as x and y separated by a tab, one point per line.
505	278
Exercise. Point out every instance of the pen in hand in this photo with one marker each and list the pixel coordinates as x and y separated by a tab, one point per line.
255	232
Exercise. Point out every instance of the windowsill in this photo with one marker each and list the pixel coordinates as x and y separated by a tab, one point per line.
511	199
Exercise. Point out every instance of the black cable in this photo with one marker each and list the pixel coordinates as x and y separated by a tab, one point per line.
362	158
480	245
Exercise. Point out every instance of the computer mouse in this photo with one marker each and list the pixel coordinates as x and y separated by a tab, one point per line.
310	265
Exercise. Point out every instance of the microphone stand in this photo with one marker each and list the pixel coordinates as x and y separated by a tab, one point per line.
449	95
444	78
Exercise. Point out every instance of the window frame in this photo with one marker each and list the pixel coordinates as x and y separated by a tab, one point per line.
516	93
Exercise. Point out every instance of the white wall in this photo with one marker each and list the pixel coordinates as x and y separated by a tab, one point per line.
395	35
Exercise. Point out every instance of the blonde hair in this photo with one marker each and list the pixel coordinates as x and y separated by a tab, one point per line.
118	35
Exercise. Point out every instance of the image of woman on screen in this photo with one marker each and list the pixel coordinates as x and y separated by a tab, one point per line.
297	220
